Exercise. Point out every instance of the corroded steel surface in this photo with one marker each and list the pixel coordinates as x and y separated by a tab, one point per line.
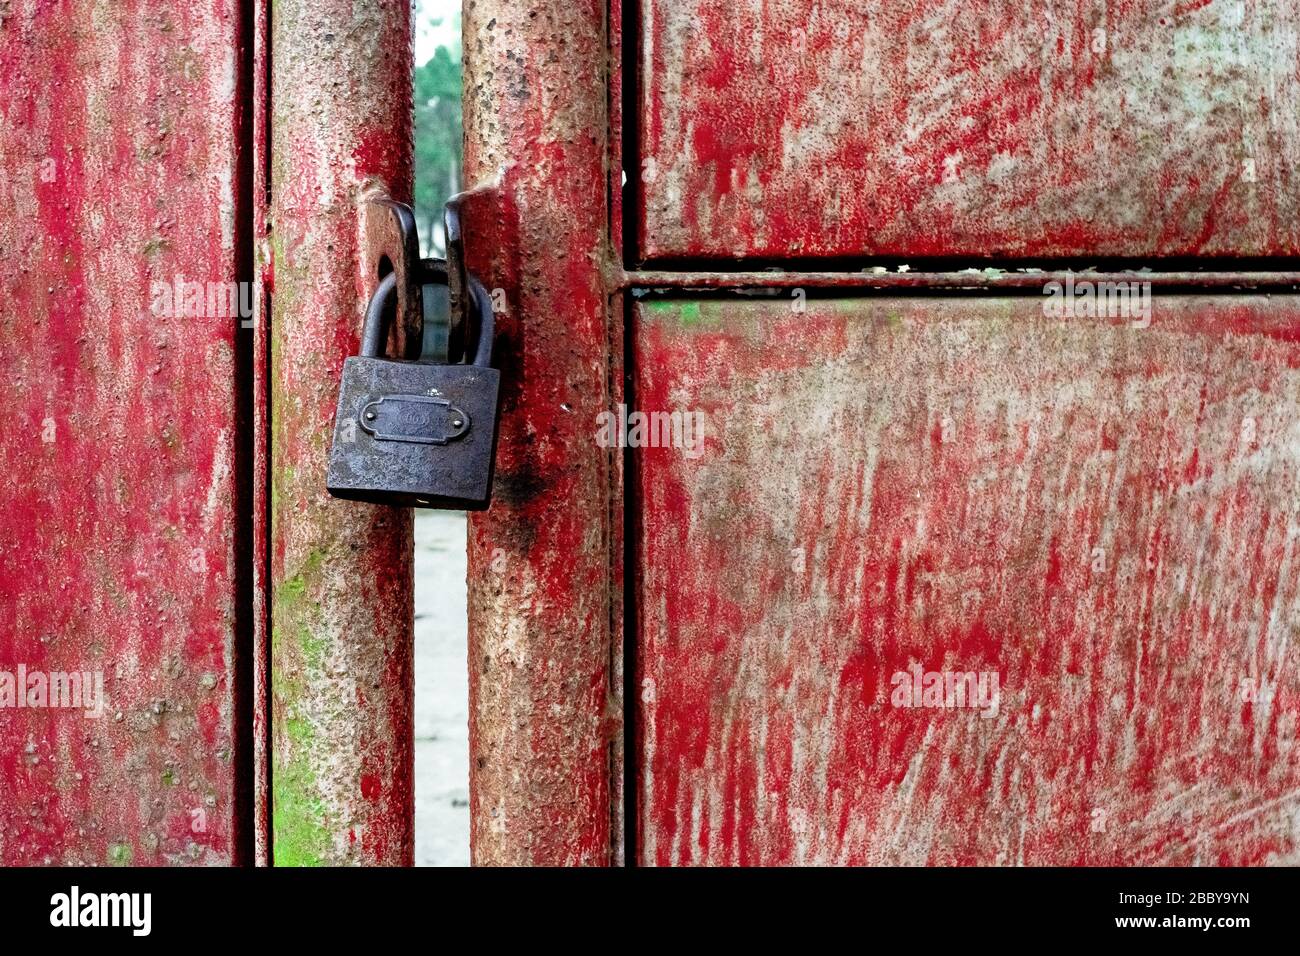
258	119
341	650
986	280
1103	515
120	532
541	723
950	128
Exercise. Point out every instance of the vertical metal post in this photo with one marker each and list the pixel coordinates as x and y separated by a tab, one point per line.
257	46
541	719
341	653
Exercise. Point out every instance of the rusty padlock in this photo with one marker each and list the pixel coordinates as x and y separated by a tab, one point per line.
416	433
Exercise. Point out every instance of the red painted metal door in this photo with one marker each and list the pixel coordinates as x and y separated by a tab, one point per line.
1077	530
125	528
953	576
1099	520
990	129
185	615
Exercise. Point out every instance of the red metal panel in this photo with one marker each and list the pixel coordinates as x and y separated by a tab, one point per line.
123	448
949	128
541	719
1105	516
341	641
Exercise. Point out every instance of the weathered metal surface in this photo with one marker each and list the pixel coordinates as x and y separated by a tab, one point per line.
620	767
341	572
620	89
997	129
418	434
1103	515
984	280
541	723
122	549
258	110
389	242
621	788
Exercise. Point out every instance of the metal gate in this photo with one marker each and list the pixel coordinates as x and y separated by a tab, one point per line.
986	553
201	653
970	556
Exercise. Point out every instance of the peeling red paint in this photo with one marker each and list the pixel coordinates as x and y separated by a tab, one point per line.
1001	129
540	558
341	639
119	549
1101	514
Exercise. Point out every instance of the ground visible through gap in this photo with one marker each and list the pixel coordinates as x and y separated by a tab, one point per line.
441	691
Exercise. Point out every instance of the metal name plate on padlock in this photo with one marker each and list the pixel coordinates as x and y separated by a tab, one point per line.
417	433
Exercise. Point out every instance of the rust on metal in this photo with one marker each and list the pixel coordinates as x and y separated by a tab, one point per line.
263	275
122	541
988	280
341	652
1095	518
388	242
541	716
999	129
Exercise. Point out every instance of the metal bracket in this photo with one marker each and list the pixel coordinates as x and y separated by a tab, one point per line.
457	283
389	243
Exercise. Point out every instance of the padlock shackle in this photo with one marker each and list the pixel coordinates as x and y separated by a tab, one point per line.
486	322
375	330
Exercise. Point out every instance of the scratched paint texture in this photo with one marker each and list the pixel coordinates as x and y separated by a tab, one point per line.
341	601
1105	516
119	131
543	716
259	54
944	128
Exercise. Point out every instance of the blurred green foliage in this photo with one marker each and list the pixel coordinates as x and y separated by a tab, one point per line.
438	144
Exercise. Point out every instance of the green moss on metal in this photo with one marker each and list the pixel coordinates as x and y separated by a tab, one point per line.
292	590
687	313
120	854
301	837
297	812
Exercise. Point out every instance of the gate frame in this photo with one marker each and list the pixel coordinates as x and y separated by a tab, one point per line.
550	99
340	581
545	694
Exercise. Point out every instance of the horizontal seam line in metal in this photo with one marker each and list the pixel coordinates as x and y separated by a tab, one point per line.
953	281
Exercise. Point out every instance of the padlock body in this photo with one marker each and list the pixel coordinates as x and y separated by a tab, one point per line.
415	434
